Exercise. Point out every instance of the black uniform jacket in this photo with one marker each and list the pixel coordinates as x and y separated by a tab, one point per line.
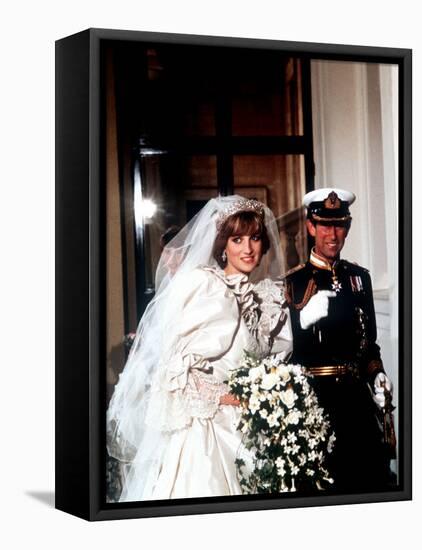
347	336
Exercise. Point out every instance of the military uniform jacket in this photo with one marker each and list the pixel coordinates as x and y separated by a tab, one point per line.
347	336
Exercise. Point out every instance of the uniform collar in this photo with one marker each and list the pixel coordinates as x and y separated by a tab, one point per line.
320	262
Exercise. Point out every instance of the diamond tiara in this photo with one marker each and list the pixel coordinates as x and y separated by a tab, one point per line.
242	205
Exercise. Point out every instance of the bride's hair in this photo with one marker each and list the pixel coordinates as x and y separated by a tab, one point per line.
242	223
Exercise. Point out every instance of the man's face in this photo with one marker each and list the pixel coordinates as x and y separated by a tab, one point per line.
329	239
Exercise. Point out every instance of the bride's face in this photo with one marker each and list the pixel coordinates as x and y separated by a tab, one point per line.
243	253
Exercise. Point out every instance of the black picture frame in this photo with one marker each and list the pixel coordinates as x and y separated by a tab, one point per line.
80	285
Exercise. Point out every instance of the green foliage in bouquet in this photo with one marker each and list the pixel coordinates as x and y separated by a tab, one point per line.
286	435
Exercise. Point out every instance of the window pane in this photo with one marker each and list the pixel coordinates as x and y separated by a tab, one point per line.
201	171
267	100
199	117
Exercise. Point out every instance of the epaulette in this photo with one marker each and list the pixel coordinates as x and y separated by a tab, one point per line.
293	270
355	264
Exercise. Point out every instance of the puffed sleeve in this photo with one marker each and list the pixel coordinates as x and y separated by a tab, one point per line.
207	326
274	328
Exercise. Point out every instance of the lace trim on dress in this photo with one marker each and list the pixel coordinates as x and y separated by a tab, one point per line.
202	394
270	297
200	398
191	391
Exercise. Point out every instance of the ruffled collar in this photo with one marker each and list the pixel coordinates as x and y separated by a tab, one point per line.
244	292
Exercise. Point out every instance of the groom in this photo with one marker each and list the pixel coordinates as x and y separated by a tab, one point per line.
334	337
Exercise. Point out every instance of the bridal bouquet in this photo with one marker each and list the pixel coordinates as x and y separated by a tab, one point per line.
285	433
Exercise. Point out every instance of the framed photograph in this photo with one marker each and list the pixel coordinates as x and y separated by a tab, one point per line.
233	277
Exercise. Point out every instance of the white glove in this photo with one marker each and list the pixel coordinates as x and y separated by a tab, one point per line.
316	308
381	385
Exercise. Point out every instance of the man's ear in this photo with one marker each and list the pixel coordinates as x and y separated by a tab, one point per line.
311	228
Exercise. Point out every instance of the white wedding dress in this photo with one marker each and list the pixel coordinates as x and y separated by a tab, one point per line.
222	316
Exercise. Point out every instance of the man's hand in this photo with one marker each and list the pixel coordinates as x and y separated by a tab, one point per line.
229	399
381	385
316	308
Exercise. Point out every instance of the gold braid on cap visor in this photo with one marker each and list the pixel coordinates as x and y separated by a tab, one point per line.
321	219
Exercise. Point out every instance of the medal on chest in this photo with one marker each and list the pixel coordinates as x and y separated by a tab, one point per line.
335	283
356	283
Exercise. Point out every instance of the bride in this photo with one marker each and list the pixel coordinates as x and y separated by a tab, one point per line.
171	421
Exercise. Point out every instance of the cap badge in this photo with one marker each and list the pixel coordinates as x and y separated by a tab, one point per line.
332	201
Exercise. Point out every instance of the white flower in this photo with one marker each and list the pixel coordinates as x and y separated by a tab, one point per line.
274	401
295	449
254	404
308	400
310	472
288	450
263	413
280	462
297	370
299	380
280	466
279	412
293	417
288	397
319	416
294	470
284	373
269	381
312	443
255	373
272	420
291	437
330	443
310	418
306	387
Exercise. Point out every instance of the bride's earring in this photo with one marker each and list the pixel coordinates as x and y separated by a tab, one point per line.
224	256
